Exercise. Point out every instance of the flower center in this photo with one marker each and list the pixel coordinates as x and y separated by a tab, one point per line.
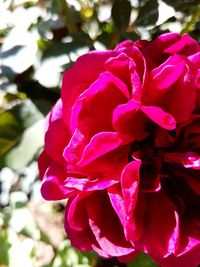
172	178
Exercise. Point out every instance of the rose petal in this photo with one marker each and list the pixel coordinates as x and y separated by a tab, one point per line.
43	163
52	184
160	117
56	138
73	151
128	119
130	187
105	224
73	85
89	185
185	46
101	144
160	239
77	215
191	258
117	202
185	92
168	73
79	239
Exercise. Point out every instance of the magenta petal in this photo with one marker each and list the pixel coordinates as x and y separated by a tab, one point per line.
79	239
43	163
128	119
74	149
56	138
160	117
77	215
121	112
106	79
80	76
195	59
130	187
184	95
120	67
56	112
89	185
160	239
104	224
185	45
168	73
117	202
101	144
52	184
191	258
95	106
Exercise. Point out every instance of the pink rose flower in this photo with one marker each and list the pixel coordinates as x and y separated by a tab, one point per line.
123	144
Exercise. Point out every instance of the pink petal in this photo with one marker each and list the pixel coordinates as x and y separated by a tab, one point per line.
109	164
89	185
195	59
160	117
52	184
123	45
105	80
129	120
95	106
154	50
191	258
181	100
101	144
73	151
168	73
160	239
120	67
185	46
117	202
79	239
104	224
43	163
77	215
80	76
56	138
130	187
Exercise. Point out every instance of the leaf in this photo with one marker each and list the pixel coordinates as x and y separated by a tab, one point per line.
182	5
20	114
26	113
24	151
148	13
5	245
121	12
143	260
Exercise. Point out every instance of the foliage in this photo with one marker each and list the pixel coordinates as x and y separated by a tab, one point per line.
39	39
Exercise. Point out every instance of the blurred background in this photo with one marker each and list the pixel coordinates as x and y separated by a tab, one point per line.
40	39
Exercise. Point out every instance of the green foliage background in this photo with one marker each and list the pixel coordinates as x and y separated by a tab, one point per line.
39	39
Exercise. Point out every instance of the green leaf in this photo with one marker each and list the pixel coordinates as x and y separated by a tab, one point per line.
121	12
143	260
26	113
10	131
20	136
60	49
24	151
5	246
148	13
182	5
